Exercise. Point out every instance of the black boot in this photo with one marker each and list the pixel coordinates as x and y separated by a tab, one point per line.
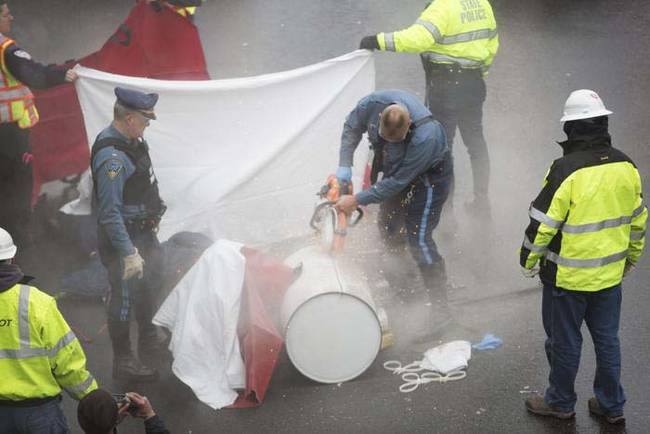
435	282
129	368
125	365
150	341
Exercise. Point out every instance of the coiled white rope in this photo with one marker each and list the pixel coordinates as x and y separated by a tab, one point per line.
412	378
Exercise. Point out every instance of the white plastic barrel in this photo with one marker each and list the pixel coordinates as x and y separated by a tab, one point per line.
332	332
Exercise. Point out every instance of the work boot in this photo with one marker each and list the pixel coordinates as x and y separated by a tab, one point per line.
151	342
596	409
435	281
128	367
536	404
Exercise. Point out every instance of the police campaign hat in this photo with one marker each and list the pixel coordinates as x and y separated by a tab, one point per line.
136	100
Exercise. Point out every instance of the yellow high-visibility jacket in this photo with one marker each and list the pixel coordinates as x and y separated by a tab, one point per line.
588	220
455	32
39	354
185	11
16	99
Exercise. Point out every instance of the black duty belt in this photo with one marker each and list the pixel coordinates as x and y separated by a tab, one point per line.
149	224
32	402
432	172
447	69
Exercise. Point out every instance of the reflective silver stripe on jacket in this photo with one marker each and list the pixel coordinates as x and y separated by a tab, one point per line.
536	214
586	263
605	224
5	114
23	316
534	247
594	227
432	28
443	58
25	351
637	235
389	41
80	388
468	36
8	95
65	340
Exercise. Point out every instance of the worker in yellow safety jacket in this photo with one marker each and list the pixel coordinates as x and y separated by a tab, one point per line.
457	41
39	354
17	115
587	231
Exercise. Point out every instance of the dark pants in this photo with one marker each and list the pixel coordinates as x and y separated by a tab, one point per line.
15	182
416	218
563	313
133	294
47	418
455	98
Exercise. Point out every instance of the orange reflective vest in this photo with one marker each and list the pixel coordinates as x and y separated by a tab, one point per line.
16	100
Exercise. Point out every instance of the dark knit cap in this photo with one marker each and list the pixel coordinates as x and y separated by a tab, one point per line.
97	412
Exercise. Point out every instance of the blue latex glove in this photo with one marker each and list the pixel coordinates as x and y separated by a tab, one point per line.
489	342
344	173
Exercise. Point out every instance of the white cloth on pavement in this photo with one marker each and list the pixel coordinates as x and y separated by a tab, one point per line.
202	312
447	357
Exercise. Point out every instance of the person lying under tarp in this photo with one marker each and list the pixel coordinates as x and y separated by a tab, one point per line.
179	254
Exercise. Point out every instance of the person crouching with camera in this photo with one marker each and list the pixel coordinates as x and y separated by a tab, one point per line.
100	412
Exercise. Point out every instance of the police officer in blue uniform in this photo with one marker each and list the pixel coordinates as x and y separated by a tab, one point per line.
128	208
411	152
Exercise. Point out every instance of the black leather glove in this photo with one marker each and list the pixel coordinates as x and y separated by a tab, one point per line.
369	43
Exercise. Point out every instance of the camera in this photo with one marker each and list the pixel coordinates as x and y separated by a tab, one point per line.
121	399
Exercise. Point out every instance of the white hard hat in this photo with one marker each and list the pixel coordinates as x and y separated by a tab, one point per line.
583	104
7	247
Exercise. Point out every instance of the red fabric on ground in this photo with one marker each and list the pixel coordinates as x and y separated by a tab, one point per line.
155	44
265	282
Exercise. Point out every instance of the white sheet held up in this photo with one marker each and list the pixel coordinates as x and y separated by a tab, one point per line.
242	158
202	313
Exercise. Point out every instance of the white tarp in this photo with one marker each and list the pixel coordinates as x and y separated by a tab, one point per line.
202	313
241	158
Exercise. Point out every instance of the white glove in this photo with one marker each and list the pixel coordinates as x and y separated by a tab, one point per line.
133	266
529	272
629	267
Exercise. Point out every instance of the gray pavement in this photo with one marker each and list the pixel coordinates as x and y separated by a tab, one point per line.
548	48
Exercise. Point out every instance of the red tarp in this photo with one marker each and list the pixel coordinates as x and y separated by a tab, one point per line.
155	44
265	282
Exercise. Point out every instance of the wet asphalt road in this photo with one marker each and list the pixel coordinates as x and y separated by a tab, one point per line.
548	48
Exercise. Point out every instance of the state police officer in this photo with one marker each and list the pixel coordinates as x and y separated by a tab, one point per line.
412	153
457	41
128	208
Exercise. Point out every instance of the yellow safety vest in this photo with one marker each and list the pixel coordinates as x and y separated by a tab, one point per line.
16	100
454	32
588	220
185	11
39	354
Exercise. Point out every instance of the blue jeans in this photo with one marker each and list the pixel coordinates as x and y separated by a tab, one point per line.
563	313
47	418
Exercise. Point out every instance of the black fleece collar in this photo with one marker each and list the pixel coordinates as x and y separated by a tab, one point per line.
10	274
